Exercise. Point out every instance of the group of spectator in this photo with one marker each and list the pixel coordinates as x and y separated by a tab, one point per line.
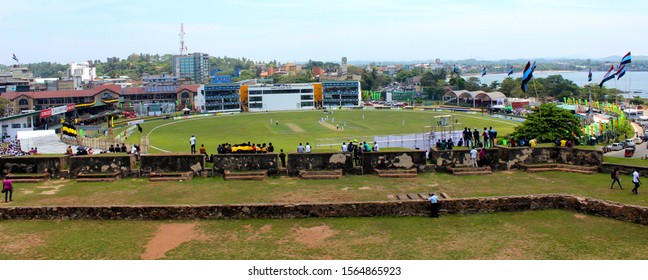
358	150
472	138
12	147
117	149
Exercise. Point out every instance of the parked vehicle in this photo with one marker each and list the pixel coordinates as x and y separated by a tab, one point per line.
615	147
630	143
629	151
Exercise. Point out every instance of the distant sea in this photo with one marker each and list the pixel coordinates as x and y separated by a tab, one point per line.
631	84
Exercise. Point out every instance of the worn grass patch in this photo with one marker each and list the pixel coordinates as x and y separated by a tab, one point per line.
552	234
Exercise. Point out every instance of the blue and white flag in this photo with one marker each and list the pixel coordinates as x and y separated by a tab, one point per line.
608	76
15	58
483	71
510	72
620	72
455	69
527	75
589	75
626	59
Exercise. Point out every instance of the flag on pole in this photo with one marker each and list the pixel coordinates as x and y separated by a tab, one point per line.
15	58
625	60
527	75
620	71
589	75
510	72
483	71
455	69
608	76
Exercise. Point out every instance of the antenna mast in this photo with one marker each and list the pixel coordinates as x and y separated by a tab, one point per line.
183	48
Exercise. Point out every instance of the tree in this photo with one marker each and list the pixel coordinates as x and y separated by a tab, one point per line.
548	122
472	84
402	75
4	103
458	82
636	100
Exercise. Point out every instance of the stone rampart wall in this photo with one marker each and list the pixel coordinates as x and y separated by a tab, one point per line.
172	163
34	164
461	158
573	156
107	163
320	161
245	162
628	213
393	160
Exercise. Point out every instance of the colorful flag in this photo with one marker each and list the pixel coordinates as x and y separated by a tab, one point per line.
608	76
626	59
527	75
510	72
15	58
483	71
589	75
620	71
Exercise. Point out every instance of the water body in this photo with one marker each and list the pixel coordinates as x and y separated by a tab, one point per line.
632	84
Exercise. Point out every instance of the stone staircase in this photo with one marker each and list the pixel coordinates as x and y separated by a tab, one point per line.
320	174
396	173
559	167
245	175
419	196
170	176
98	177
28	177
470	170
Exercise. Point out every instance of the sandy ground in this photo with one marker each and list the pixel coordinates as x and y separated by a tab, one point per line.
329	126
168	237
295	128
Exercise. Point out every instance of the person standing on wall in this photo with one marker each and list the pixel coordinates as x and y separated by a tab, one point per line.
636	181
192	141
282	157
434	200
7	189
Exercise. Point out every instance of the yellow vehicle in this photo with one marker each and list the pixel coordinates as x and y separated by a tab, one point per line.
241	148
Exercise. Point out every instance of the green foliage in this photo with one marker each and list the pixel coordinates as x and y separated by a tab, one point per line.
472	84
637	100
48	69
548	122
458	82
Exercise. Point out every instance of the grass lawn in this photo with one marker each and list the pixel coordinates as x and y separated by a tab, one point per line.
300	126
551	234
293	190
626	161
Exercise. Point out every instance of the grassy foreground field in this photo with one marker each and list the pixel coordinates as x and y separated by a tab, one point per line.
300	126
293	190
529	235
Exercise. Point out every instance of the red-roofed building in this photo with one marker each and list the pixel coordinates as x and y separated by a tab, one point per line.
101	98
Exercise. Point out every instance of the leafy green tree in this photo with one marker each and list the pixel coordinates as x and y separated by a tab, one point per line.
548	122
402	75
636	100
472	84
458	82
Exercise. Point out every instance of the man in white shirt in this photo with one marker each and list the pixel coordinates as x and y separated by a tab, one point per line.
473	157
636	181
300	148
344	147
434	200
375	147
308	147
192	141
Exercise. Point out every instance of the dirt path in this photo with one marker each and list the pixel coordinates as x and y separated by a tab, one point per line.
295	128
313	236
329	126
168	237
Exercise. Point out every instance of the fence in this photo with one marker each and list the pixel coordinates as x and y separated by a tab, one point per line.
422	141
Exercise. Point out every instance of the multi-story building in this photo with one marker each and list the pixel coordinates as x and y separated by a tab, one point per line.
81	73
341	93
16	79
194	66
222	98
165	79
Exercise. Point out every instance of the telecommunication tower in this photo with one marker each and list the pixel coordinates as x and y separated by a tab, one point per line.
183	48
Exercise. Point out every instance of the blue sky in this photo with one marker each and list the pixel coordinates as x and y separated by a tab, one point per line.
287	30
